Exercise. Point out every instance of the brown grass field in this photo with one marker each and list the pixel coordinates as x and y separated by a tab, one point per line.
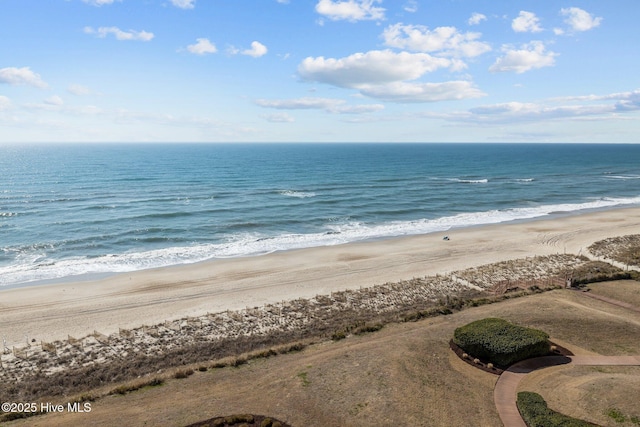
404	374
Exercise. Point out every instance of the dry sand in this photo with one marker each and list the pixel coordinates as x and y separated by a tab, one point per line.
52	312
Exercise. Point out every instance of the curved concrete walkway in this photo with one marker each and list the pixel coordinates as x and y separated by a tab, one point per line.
505	391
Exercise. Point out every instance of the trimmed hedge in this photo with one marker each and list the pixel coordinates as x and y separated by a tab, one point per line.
501	342
536	413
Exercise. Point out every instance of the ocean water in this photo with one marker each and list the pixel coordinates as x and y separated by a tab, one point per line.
78	210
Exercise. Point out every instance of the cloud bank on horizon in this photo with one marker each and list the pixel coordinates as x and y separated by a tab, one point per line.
318	70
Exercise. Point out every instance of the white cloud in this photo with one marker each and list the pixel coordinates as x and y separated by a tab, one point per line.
54	100
619	96
580	20
587	107
79	90
202	47
358	109
625	101
184	4
350	10
5	103
21	76
388	76
518	111
257	50
330	105
411	6
99	2
530	56
373	67
119	34
476	18
300	103
283	1
446	40
279	117
405	92
526	22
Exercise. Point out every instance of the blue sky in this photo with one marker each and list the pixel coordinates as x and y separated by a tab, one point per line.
319	70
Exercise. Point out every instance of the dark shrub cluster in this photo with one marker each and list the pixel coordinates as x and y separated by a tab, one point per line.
598	271
245	420
501	342
536	413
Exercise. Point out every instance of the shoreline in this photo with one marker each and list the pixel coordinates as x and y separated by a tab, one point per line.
98	276
126	300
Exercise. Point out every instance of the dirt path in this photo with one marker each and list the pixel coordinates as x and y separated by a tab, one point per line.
505	391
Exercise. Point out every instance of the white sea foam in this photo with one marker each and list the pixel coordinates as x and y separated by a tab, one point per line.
470	181
298	194
624	177
36	267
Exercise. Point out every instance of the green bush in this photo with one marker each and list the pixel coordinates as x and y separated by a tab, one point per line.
501	342
536	413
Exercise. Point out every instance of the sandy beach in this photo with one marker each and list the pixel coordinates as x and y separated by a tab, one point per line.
51	312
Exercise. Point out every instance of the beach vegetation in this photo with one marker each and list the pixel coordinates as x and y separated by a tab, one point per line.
241	420
536	413
367	328
339	335
501	342
126	388
616	415
304	378
598	271
624	249
183	373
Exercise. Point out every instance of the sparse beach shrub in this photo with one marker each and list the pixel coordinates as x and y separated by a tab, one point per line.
616	415
127	388
238	361
597	271
501	342
183	373
624	249
338	335
368	328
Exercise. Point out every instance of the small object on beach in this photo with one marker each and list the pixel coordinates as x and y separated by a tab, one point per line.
445	238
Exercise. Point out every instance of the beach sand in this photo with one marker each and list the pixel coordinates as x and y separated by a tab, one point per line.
51	312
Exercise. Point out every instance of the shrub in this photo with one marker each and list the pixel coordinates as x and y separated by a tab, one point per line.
535	413
183	373
338	335
368	328
238	361
501	342
617	415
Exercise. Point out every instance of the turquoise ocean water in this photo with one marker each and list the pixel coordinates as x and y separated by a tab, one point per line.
82	210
